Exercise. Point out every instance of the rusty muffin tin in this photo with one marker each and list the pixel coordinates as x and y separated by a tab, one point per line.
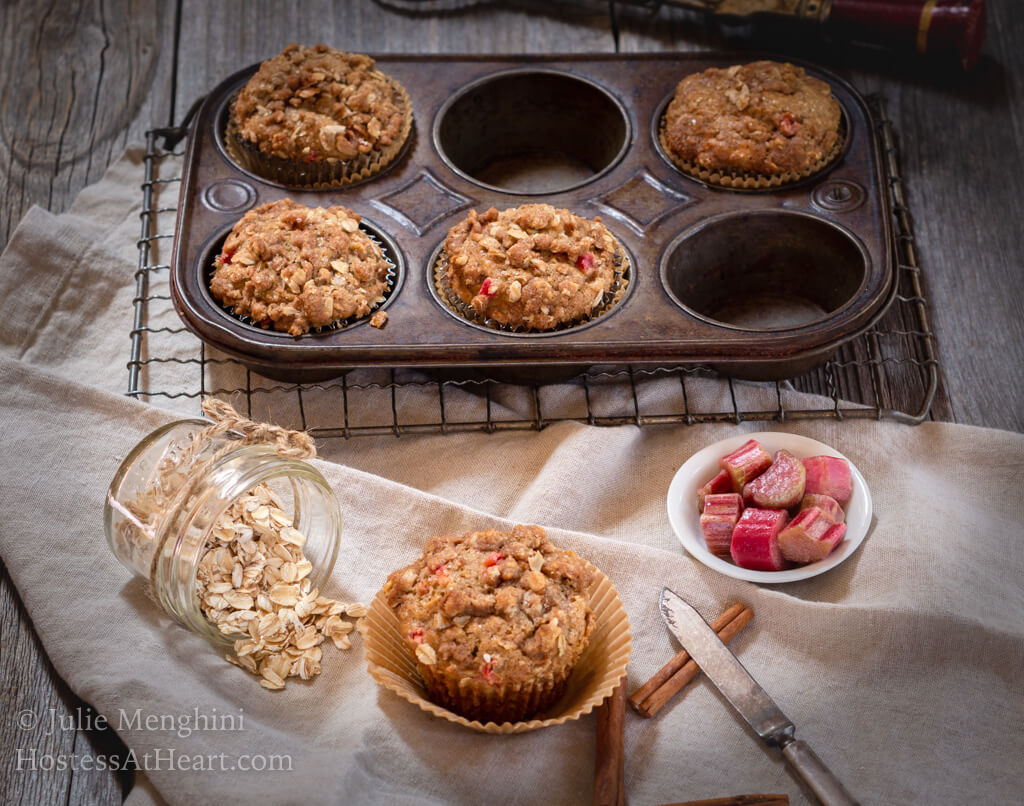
761	284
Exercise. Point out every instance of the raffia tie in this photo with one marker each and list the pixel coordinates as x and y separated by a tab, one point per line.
293	444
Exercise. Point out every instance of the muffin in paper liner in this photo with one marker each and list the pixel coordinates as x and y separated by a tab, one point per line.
319	174
462	309
599	669
260	222
739	180
760	125
391	280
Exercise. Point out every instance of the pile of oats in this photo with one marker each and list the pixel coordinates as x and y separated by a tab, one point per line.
254	579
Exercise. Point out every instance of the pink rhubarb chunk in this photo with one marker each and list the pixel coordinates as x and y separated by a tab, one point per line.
718	519
745	463
827	504
755	540
829	475
722	483
781	486
810	536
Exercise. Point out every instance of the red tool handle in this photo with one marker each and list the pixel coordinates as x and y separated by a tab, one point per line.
935	26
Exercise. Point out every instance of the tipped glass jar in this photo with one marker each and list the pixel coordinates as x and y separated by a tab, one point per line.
170	504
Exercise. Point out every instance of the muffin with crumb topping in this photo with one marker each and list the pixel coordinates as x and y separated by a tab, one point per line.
495	620
295	268
752	125
317	116
533	267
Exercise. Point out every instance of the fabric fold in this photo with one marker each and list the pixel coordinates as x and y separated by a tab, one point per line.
889	664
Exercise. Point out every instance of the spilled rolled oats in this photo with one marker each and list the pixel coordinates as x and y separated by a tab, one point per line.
254	580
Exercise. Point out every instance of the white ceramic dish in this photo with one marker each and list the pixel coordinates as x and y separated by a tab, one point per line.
703	465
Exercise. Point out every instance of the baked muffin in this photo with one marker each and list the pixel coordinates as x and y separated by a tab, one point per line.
765	122
495	620
531	267
314	116
295	268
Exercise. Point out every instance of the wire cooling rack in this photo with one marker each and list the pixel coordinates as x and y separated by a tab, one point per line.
889	372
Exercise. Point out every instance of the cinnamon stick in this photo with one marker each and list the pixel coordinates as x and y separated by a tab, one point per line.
610	757
670	679
739	800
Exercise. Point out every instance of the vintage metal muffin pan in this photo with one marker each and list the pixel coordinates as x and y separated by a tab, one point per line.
761	284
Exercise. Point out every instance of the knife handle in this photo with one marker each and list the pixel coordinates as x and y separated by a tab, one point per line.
816	775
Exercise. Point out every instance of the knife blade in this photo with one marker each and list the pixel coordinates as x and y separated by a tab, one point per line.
748	698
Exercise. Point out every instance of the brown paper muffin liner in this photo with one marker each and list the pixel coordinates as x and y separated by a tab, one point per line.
599	669
338	324
740	180
463	309
322	173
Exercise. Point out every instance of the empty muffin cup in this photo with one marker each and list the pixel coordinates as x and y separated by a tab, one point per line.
764	270
532	131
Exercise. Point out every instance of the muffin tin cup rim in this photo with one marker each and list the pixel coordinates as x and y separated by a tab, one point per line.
528	69
699	226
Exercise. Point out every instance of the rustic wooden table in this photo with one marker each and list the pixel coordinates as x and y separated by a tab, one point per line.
81	80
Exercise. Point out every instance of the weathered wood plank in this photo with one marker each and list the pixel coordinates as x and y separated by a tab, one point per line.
31	692
82	80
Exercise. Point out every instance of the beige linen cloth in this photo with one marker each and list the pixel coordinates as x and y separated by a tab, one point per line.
902	667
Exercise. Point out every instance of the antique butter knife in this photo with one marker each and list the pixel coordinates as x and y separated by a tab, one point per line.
749	699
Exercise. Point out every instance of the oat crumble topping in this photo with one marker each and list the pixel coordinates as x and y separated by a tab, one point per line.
765	117
533	266
314	104
295	268
506	607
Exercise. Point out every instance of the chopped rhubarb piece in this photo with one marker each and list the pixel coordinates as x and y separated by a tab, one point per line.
313	156
788	125
488	673
755	540
781	486
493	558
810	536
745	463
439	570
416	635
585	262
488	288
722	483
827	504
718	520
829	475
225	256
